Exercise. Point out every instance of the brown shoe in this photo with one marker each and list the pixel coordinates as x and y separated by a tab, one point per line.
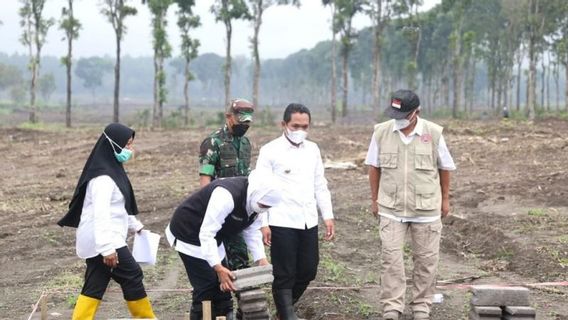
421	315
391	315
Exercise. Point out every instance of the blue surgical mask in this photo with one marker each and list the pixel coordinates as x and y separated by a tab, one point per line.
124	155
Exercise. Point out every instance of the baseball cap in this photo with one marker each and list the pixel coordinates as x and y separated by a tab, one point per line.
402	103
242	108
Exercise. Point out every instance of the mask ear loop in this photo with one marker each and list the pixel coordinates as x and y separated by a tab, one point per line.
112	143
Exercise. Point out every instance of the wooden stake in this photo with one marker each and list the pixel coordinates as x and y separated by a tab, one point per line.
43	307
220	318
206	305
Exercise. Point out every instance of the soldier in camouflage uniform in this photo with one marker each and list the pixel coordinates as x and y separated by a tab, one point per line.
226	153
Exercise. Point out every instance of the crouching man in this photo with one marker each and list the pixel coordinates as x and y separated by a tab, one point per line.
221	209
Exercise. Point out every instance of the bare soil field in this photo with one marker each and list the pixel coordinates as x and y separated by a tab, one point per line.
508	226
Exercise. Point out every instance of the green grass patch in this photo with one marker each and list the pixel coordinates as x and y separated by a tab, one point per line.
537	212
563	239
334	271
504	254
563	262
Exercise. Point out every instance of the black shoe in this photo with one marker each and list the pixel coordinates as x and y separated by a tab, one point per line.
284	304
196	313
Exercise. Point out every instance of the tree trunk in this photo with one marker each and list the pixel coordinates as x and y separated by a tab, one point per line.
256	54
566	83
519	78
376	79
186	94
228	63
161	89
472	84
334	71
456	75
542	85
492	88
548	83
345	56
33	107
35	74
531	85
68	65
115	117
557	84
155	91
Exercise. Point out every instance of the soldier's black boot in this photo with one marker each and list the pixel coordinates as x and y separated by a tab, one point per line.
284	304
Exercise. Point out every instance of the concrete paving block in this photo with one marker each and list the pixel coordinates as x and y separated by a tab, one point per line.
487	311
499	296
510	317
519	311
252	281
261	315
475	316
267	269
253	277
254	307
252	295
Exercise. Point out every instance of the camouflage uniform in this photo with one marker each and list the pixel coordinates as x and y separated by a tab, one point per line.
222	155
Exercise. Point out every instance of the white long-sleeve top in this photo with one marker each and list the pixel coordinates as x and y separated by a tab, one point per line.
104	221
304	187
220	206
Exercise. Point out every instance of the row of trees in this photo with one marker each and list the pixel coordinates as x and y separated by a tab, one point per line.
437	51
35	28
441	53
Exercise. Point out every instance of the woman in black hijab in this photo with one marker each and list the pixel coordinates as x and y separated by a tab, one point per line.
103	210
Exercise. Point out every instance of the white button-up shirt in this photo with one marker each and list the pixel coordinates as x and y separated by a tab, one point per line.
304	187
221	204
104	221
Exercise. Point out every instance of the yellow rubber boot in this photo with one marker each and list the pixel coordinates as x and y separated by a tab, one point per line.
141	309
86	308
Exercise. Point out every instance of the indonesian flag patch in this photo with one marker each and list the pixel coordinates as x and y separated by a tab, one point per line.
426	138
395	103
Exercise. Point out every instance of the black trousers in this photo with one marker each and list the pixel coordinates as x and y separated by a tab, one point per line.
295	258
205	283
127	274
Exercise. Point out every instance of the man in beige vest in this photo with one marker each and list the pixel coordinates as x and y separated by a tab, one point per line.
409	172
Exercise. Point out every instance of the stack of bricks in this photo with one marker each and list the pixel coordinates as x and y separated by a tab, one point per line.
496	303
254	305
252	299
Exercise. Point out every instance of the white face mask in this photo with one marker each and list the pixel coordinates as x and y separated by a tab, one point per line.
403	123
297	136
256	208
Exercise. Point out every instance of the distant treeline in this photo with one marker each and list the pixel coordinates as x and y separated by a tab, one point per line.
487	49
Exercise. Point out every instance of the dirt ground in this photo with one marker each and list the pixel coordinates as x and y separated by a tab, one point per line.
508	226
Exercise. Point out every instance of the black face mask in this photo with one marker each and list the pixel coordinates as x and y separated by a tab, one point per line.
240	129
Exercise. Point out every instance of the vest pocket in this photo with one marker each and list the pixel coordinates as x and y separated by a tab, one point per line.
228	162
426	197
423	158
388	160
387	195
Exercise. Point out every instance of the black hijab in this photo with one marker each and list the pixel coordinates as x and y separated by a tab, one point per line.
102	162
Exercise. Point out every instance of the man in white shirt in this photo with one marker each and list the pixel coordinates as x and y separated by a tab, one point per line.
409	173
293	232
221	209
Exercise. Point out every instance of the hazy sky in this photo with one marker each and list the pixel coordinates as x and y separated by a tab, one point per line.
285	29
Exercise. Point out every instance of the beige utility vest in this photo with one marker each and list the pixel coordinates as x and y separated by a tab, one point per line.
410	181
